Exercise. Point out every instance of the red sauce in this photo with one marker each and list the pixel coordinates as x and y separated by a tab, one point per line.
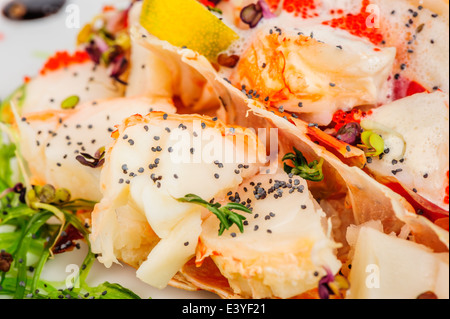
404	87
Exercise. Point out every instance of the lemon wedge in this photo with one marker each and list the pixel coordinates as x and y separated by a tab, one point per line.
187	23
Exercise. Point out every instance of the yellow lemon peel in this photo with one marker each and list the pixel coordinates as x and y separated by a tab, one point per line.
187	23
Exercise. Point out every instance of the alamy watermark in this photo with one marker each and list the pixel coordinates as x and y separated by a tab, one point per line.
73	16
237	146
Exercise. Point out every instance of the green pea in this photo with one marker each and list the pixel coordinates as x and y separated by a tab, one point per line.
70	102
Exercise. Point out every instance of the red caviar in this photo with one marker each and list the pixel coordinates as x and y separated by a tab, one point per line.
342	118
357	24
304	8
62	59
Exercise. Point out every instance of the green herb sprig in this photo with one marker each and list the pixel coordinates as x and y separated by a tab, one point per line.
312	171
225	213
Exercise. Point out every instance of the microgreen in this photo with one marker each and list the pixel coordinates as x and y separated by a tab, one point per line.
372	143
97	160
312	171
332	285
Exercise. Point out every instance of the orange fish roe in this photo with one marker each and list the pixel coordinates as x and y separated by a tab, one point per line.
273	4
446	190
108	8
304	8
357	24
62	59
342	118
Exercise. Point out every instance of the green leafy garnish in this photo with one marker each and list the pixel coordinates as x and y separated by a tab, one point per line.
7	153
372	143
312	171
29	238
17	99
34	238
224	213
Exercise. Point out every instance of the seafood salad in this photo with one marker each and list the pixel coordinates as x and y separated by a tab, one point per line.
254	149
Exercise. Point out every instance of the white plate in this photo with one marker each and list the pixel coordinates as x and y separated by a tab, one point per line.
24	48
